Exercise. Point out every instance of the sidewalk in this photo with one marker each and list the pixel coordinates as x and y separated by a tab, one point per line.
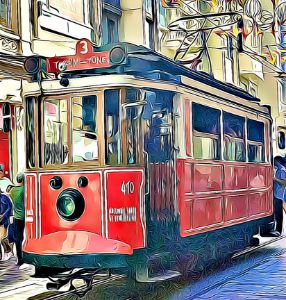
17	284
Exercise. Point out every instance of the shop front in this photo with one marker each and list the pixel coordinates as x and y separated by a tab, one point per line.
12	155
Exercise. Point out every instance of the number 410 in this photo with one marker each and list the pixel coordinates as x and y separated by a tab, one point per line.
127	187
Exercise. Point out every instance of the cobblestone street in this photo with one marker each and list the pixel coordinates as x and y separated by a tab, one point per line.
265	280
257	274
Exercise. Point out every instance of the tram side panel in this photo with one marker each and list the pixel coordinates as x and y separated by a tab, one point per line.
216	193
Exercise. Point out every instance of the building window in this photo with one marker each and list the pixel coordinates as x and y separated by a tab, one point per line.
8	15
149	24
252	89
67	17
282	92
244	85
110	27
73	9
165	15
5	13
149	33
206	132
227	44
149	7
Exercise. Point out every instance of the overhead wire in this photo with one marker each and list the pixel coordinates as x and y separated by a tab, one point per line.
226	32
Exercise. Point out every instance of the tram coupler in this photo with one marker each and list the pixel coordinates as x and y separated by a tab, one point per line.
58	281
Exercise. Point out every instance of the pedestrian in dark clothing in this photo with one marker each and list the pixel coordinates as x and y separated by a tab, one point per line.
279	191
5	214
17	195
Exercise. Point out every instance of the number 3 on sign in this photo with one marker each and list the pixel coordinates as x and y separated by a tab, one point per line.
127	187
84	47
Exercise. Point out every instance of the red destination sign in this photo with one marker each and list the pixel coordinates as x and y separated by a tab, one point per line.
84	59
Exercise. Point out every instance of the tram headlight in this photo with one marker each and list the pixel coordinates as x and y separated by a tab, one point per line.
70	204
117	55
32	64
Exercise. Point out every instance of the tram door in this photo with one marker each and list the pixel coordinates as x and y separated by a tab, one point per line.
159	145
4	144
124	186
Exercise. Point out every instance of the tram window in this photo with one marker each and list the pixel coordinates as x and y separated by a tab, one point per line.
206	132
281	140
233	136
132	112
30	126
84	131
255	134
131	135
55	132
111	120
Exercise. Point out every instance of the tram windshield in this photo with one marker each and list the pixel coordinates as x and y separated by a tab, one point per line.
84	131
100	128
84	141
55	132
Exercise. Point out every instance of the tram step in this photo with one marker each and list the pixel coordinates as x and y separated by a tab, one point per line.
167	275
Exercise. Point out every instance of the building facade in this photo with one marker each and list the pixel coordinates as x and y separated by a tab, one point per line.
12	47
238	42
43	27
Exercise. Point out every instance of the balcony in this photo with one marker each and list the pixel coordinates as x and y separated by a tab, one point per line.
173	39
250	67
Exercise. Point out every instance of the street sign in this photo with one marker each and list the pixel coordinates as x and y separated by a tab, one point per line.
84	58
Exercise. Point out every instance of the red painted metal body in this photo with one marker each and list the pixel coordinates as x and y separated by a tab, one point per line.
4	147
5	152
112	222
212	195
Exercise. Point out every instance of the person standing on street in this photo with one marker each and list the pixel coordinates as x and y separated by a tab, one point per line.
5	214
17	195
279	191
5	182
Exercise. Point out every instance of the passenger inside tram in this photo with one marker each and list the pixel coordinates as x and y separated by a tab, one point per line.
85	146
84	131
112	130
55	132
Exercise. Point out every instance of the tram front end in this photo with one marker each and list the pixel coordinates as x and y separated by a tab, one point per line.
84	197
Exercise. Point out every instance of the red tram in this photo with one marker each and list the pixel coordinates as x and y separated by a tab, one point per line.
131	157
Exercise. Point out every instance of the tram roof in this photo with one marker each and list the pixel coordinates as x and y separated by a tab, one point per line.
146	63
